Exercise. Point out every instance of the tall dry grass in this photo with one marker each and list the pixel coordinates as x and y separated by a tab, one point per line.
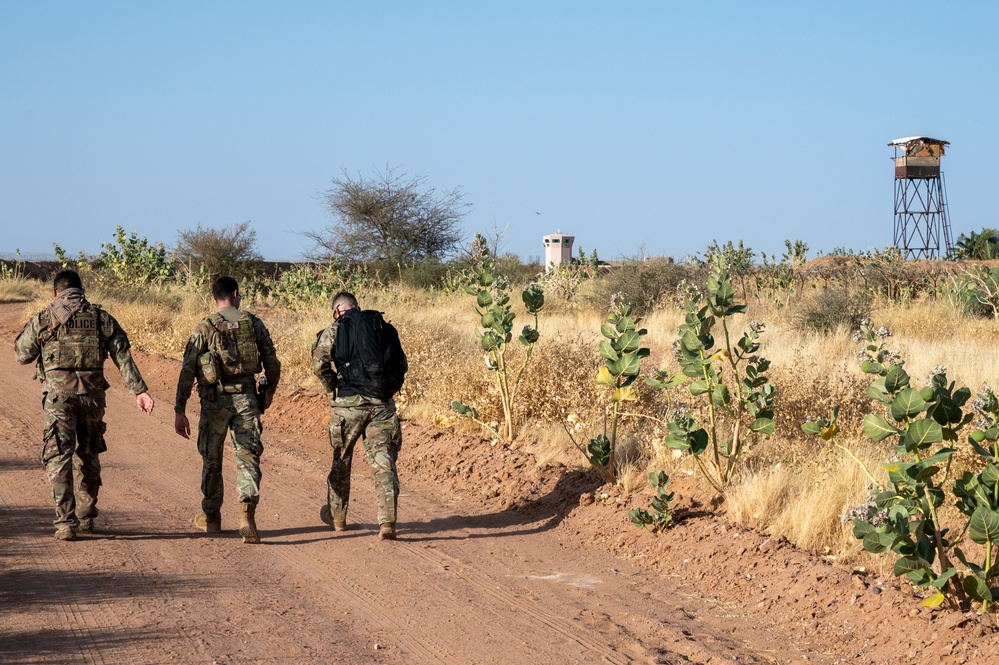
20	289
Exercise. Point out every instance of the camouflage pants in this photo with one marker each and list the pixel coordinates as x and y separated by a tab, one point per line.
378	426
72	440
240	415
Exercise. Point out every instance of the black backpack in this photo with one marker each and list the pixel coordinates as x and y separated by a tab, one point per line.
368	356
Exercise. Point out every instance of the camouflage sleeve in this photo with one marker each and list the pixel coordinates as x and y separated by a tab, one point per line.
268	355
322	359
28	346
197	344
121	355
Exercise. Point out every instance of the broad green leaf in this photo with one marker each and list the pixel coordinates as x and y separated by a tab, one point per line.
984	526
698	441
871	367
977	588
940	456
947	412
878	428
944	577
990	475
629	340
811	428
878	542
877	392
907	404
720	395
607	351
974	440
908	564
698	387
691	342
861	529
762	426
630	364
896	379
608	331
484	299
923	433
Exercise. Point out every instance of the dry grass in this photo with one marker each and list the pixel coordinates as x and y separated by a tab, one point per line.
15	289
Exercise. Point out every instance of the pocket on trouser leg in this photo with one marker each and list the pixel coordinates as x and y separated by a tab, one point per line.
54	443
338	433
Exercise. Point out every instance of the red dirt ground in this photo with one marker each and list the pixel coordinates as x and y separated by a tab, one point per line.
499	560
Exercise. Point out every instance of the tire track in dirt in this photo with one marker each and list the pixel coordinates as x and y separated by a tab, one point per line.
490	587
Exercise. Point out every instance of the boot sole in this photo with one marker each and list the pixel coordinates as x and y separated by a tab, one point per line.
250	535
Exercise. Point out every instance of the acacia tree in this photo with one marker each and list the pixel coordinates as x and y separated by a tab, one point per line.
391	217
230	250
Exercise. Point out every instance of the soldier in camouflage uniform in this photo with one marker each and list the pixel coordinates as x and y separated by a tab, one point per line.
69	340
224	353
357	416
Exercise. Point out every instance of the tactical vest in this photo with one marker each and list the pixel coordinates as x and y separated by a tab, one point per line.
76	344
234	346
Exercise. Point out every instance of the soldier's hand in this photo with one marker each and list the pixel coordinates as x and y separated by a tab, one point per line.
145	402
182	425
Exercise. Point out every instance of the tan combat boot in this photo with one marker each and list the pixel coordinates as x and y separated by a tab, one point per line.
65	532
247	525
209	523
338	522
386	531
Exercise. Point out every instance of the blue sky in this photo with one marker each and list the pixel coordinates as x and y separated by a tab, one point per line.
640	127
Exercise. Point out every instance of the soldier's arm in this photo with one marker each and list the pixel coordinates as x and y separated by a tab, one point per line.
196	345
28	346
120	352
322	359
268	355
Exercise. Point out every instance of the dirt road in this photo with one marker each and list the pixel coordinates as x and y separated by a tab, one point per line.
459	586
465	583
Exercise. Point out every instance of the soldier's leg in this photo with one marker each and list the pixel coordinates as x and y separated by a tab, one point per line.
59	446
346	427
382	442
90	444
246	431
212	429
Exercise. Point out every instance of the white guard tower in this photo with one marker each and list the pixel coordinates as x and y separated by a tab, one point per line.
558	249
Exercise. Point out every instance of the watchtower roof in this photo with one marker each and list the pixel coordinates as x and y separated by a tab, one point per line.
920	139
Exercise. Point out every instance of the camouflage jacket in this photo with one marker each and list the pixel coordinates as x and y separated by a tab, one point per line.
198	344
325	370
39	338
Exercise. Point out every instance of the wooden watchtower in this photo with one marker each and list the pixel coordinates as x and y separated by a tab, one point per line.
922	230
